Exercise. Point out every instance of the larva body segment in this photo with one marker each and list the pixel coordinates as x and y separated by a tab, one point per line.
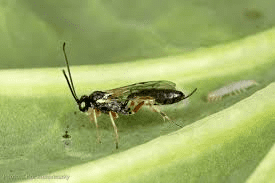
235	88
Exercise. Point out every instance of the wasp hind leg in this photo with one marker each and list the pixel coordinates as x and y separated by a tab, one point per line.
114	116
137	108
163	115
93	114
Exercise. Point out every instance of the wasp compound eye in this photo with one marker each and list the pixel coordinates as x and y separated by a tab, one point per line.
82	106
83	103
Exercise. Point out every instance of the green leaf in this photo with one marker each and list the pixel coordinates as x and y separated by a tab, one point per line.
265	171
37	108
208	150
42	132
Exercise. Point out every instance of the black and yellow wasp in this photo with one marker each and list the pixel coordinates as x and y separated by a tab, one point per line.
125	100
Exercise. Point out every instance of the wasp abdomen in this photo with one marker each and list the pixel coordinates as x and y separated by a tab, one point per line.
169	97
161	96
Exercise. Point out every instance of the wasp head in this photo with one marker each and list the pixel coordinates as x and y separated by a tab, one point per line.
84	103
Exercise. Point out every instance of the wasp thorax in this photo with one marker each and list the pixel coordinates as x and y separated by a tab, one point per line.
84	103
97	95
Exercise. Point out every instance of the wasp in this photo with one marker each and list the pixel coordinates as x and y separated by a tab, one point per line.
126	100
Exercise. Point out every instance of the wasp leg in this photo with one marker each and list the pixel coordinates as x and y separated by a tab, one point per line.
138	107
112	116
96	124
93	117
163	115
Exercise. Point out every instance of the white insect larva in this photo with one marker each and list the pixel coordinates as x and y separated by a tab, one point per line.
235	88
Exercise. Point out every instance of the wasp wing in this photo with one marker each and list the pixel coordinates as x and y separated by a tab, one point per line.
123	92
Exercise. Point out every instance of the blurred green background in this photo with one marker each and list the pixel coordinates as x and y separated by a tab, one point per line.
112	31
110	43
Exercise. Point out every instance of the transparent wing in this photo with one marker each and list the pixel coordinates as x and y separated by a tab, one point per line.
123	92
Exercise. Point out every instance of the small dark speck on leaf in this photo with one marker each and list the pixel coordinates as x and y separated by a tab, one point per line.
66	135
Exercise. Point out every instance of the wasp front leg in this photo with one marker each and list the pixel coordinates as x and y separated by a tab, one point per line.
93	114
114	116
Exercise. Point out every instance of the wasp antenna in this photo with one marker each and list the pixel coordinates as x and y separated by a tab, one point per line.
190	94
74	95
69	80
68	68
